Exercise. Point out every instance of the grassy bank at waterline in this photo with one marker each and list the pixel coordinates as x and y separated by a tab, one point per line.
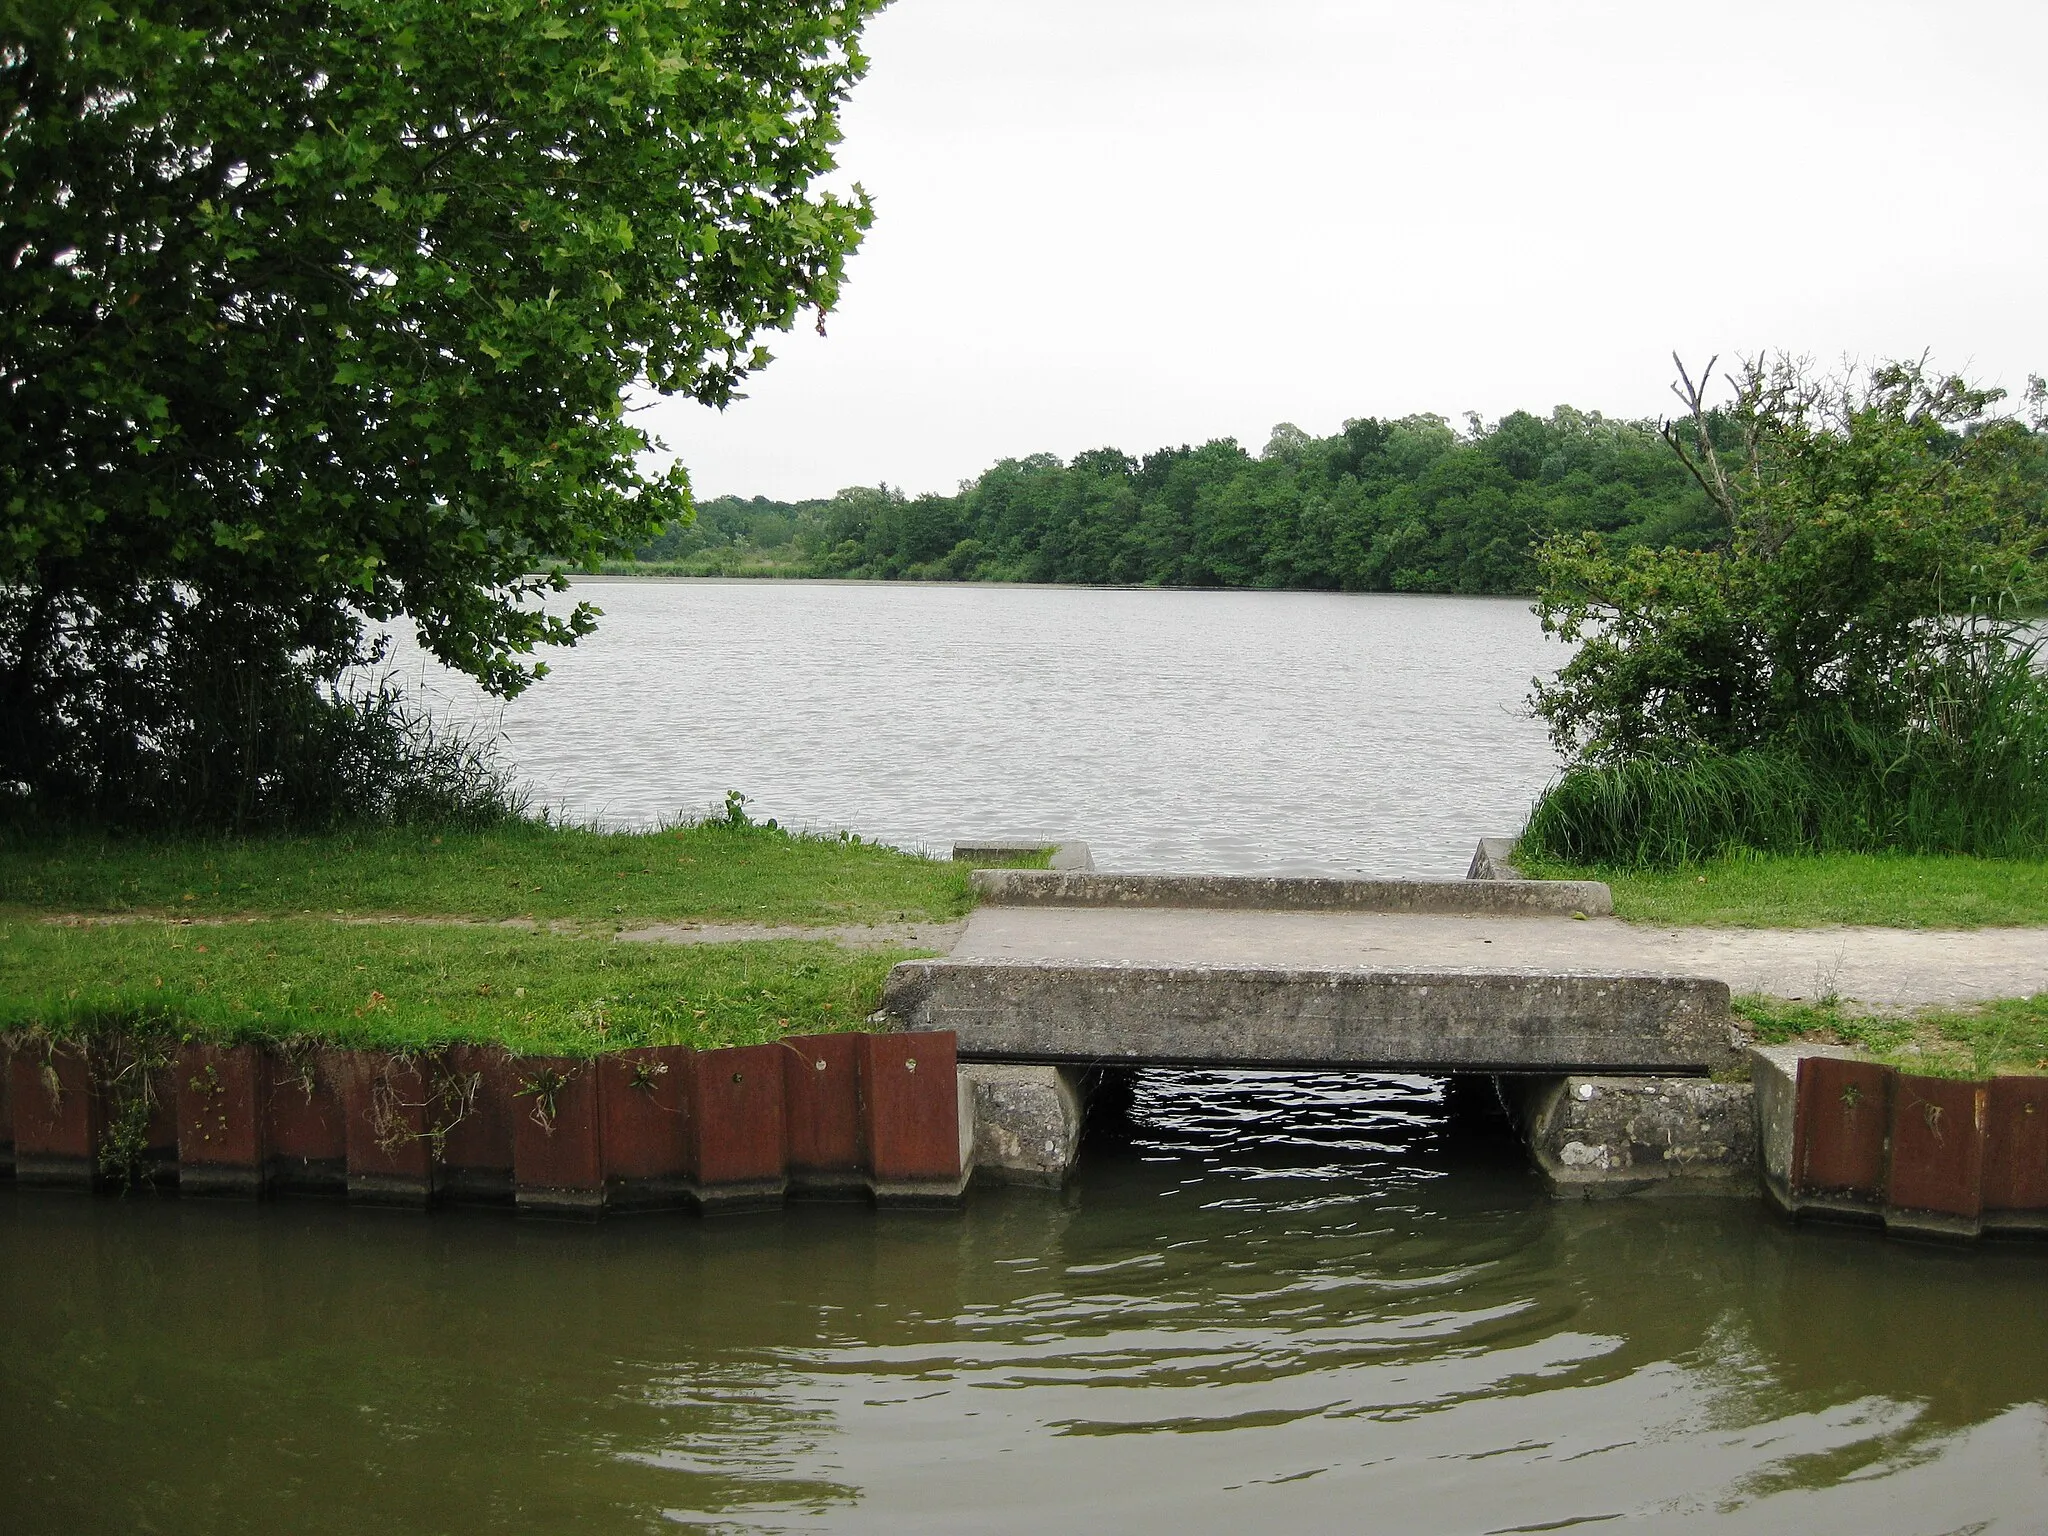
401	986
401	939
521	869
1997	1038
1821	890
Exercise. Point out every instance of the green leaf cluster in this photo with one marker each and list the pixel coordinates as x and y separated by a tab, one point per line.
1880	537
319	312
1850	665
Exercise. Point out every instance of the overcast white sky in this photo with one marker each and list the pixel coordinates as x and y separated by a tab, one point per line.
1140	222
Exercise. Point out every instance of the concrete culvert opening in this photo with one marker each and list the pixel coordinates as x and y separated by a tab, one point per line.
1305	1127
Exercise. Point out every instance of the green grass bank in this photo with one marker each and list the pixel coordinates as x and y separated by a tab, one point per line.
411	938
398	986
528	869
2010	1036
1818	890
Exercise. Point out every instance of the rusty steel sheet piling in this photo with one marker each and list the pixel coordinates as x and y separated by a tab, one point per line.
1929	1157
221	1116
836	1115
557	1158
1840	1138
474	1112
158	1160
387	1111
827	1150
644	1105
59	1117
911	1116
1937	1156
305	1129
6	1110
2016	1155
737	1127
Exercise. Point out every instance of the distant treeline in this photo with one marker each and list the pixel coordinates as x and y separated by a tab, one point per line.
1413	505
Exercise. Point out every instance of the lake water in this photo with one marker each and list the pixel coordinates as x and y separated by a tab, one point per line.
1275	731
1284	1304
1268	1303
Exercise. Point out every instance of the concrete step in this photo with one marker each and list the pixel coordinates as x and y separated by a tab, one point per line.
1290	893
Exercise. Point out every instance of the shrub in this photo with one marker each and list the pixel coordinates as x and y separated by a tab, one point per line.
1967	773
1847	666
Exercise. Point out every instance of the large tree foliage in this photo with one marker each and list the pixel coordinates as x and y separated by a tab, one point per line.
318	312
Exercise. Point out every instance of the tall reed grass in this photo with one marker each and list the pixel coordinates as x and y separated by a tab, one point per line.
317	760
1964	771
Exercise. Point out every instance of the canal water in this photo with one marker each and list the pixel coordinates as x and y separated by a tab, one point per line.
1288	732
1269	1302
1275	1304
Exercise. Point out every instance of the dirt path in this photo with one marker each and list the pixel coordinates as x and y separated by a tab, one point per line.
936	936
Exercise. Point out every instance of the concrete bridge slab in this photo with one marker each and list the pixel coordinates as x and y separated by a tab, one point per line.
1252	1016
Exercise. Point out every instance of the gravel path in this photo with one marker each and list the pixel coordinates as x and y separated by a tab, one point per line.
938	936
1879	968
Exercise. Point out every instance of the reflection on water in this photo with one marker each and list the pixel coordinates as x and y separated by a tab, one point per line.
1287	1303
1279	731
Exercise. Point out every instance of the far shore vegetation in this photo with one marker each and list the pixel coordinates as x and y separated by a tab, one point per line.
1409	505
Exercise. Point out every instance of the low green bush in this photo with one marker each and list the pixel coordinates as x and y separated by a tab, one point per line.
1966	773
1847	664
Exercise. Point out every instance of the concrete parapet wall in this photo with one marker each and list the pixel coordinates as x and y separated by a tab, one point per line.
1292	893
1601	1136
1466	1021
1494	859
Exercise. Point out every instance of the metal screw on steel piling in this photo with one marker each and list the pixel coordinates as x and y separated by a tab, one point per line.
821	1065
910	1063
737	1076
